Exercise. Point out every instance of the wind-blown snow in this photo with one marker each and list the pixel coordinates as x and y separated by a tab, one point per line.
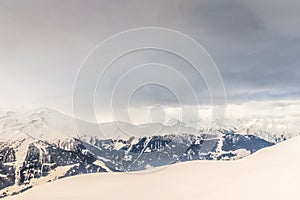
272	173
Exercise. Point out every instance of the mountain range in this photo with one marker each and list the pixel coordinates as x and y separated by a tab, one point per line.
271	173
44	145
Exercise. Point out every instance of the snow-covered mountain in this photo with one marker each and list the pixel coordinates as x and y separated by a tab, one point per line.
51	125
272	130
272	173
43	145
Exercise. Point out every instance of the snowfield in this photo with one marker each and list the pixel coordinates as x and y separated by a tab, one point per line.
272	173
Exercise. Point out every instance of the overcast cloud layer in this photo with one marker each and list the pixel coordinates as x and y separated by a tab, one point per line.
255	45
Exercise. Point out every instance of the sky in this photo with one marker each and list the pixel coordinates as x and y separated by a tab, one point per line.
254	44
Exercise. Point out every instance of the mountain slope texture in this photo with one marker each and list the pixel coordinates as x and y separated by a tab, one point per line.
272	173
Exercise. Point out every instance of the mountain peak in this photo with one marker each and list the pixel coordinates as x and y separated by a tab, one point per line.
174	121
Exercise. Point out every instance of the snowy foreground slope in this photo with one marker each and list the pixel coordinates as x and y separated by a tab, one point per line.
272	173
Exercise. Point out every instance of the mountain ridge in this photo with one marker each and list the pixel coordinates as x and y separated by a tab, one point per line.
44	145
254	177
45	123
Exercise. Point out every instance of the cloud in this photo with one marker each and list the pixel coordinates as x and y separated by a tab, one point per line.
254	43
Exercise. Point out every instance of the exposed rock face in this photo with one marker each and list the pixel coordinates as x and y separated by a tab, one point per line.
41	160
139	154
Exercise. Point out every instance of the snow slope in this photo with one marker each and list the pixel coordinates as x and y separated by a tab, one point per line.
272	173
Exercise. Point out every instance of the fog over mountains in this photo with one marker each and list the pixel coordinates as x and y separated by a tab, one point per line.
49	124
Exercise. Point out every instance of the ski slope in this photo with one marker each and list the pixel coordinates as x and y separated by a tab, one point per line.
272	173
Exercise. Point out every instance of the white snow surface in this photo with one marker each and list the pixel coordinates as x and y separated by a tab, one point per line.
270	174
